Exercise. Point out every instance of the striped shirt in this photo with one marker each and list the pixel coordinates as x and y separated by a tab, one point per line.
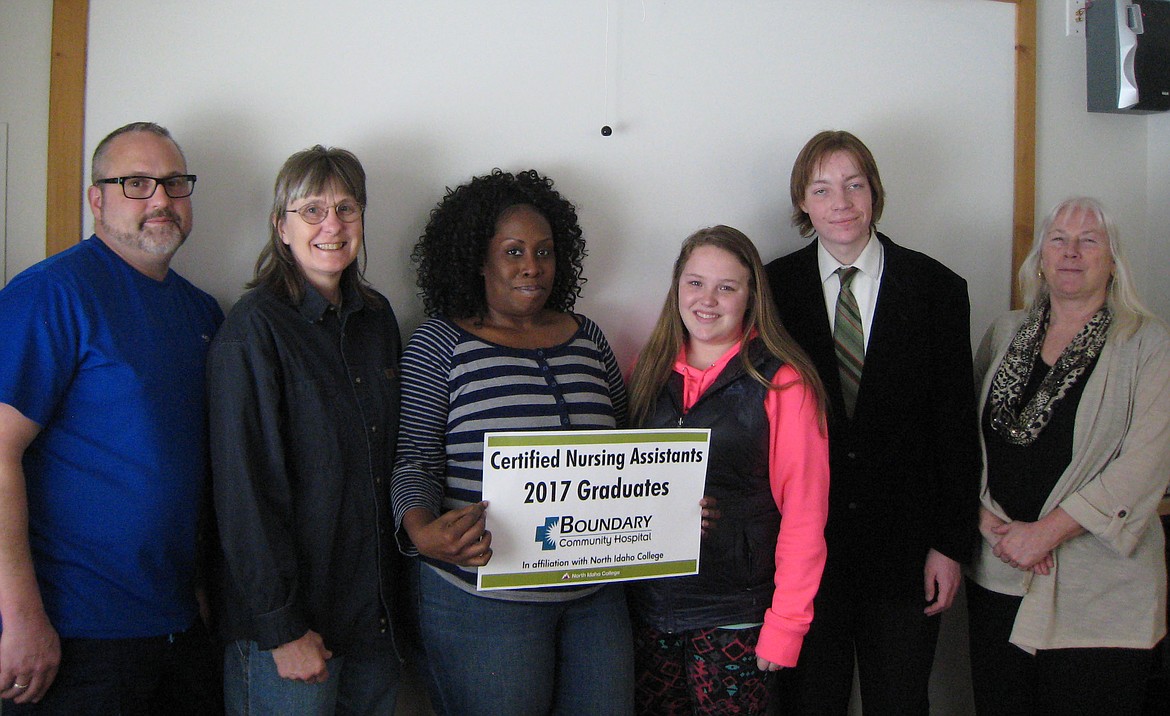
457	386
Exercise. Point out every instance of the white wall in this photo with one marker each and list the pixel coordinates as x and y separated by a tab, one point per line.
709	102
1125	160
25	29
1151	251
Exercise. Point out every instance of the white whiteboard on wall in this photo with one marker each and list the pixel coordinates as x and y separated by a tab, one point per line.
709	103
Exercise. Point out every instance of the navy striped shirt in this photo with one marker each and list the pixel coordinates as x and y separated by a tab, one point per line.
457	386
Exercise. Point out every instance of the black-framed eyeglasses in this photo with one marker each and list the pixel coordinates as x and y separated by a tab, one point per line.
139	187
347	211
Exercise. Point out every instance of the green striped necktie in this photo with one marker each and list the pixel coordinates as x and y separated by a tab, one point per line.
847	339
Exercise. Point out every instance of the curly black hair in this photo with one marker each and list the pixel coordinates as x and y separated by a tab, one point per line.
450	253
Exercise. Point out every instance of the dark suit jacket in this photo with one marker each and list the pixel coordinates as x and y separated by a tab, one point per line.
904	472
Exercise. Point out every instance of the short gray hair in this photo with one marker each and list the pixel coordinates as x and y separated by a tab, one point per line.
98	168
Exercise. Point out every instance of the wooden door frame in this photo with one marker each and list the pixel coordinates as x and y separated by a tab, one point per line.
66	159
1024	172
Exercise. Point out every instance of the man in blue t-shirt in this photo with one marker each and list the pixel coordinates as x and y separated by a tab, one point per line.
103	465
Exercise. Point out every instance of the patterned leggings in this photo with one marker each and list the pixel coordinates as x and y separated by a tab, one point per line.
704	671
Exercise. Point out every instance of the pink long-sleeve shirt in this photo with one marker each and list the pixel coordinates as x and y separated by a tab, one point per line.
798	470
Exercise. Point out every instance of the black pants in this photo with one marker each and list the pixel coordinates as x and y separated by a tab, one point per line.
1007	680
891	638
177	675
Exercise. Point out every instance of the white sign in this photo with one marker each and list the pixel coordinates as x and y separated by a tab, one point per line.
590	506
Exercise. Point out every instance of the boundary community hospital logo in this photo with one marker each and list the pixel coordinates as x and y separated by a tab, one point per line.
568	531
546	533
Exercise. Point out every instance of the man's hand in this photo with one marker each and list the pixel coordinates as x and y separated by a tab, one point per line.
941	578
30	650
30	653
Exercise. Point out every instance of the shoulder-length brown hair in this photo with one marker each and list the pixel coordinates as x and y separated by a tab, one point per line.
656	362
307	173
815	151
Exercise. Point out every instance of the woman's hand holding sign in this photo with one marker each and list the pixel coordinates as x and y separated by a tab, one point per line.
711	513
458	536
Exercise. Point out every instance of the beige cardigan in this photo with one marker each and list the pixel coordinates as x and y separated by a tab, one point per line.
1108	586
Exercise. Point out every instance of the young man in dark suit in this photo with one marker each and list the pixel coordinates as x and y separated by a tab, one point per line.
889	331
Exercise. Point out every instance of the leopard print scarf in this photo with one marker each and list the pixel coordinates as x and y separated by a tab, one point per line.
1022	426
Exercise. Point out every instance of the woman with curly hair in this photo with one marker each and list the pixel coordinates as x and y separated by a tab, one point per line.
499	265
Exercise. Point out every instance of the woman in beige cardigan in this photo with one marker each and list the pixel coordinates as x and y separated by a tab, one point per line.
1069	592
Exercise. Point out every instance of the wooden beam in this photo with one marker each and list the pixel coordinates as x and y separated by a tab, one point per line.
1024	203
66	125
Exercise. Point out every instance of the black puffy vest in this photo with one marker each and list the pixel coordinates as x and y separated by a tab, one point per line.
737	559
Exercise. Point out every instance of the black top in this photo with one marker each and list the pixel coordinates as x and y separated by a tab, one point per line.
737	560
304	419
905	469
1020	477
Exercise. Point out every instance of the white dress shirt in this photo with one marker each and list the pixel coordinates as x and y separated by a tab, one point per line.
869	264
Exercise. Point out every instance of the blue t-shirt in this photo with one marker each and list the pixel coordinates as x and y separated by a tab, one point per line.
110	364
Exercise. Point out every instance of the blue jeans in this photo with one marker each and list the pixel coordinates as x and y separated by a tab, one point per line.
358	683
499	658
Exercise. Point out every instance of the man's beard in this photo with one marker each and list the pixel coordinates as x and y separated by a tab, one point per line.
156	240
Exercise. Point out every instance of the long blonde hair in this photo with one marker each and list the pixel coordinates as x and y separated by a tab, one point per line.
1128	311
656	362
